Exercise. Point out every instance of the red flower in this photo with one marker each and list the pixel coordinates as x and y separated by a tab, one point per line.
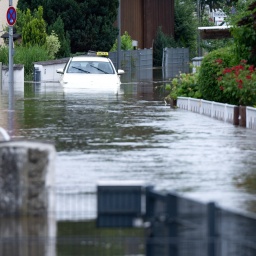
220	78
227	70
249	77
221	88
239	81
219	61
251	68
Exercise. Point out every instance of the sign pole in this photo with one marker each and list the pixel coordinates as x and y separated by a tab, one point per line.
11	85
10	59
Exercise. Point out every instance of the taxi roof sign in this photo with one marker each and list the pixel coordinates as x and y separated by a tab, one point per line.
102	53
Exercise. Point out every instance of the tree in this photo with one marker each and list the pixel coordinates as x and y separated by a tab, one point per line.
126	42
90	23
52	44
34	28
185	26
161	41
244	31
58	28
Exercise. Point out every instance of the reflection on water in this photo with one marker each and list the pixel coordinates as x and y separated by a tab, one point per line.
134	135
129	136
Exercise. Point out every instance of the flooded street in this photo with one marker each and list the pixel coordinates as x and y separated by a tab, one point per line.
135	136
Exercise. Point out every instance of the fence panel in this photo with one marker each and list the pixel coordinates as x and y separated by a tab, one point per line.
251	118
220	111
173	226
237	233
137	64
175	61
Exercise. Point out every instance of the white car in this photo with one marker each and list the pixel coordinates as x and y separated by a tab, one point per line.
90	72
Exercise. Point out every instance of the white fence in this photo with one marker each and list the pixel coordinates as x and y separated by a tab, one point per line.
220	111
251	118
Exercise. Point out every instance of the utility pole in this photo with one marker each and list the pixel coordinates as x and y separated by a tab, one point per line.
119	37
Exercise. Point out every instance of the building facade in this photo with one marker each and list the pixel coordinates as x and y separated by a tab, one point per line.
142	18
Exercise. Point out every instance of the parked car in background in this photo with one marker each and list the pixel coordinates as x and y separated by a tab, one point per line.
90	72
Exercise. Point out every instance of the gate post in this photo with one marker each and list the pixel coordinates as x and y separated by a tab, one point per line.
172	213
27	221
212	234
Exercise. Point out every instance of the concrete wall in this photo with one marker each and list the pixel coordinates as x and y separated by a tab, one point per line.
18	78
48	69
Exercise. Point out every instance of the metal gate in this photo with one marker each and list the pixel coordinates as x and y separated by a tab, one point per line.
175	61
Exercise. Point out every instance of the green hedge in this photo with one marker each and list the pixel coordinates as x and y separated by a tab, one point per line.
25	56
211	65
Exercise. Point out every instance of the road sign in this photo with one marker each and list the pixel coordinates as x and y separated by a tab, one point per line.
11	15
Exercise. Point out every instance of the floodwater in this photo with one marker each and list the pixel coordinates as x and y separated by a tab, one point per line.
135	136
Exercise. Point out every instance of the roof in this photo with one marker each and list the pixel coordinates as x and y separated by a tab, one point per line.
215	32
15	36
52	62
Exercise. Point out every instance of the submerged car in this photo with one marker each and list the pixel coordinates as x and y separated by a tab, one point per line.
90	72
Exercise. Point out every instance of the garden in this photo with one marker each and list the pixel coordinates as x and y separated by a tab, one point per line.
227	74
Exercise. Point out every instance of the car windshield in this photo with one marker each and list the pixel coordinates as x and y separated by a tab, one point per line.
90	67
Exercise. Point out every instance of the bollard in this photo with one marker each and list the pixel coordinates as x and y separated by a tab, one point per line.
242	116
27	222
236	116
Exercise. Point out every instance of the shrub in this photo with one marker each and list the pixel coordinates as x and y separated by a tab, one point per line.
4	54
161	41
208	74
126	43
52	44
186	85
239	82
28	55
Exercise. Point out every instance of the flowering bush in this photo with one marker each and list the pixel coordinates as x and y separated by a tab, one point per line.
184	85
239	83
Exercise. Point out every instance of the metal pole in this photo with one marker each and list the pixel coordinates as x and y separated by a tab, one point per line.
11	86
119	37
199	23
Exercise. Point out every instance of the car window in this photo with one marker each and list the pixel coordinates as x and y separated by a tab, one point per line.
90	67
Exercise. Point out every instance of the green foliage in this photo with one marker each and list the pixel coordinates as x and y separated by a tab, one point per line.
161	41
126	43
239	83
34	28
185	85
4	54
208	74
52	44
244	32
58	28
89	23
185	27
28	55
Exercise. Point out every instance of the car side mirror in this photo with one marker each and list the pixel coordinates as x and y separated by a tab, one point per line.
120	72
60	71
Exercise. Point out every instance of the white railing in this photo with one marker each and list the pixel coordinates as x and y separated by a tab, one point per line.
251	118
220	111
